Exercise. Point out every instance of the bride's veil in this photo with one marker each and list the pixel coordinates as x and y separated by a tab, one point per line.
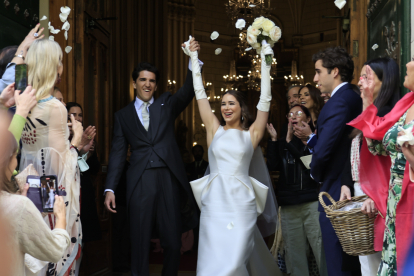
267	221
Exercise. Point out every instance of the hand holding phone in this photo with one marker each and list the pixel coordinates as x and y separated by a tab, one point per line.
20	78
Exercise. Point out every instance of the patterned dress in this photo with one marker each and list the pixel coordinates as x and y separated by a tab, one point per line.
389	146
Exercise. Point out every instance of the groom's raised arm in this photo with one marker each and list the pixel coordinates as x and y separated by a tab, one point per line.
180	100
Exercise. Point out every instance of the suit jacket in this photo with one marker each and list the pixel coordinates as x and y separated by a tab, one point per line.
156	145
333	144
194	173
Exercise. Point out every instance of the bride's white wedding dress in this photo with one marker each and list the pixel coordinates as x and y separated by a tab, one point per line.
230	201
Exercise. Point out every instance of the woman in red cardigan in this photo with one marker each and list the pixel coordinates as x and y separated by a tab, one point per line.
385	172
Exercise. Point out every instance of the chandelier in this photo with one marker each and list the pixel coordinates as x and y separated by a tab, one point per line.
294	79
247	9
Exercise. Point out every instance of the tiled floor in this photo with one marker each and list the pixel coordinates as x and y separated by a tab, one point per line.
155	270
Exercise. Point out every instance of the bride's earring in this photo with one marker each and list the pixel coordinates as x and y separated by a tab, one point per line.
242	118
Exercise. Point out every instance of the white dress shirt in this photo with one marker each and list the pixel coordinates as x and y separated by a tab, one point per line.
337	88
138	107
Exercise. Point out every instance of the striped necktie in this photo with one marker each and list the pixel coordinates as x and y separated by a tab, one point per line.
145	115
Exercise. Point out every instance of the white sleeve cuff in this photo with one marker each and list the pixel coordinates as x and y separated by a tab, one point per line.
191	67
310	137
108	190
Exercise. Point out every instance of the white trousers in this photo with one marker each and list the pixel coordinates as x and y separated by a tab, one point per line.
370	263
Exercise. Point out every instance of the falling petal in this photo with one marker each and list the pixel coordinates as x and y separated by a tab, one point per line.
214	35
63	17
65	10
375	46
43	18
248	49
240	24
340	3
66	35
230	225
51	37
218	51
68	49
66	26
55	31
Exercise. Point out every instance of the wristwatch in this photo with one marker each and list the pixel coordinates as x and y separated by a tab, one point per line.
20	56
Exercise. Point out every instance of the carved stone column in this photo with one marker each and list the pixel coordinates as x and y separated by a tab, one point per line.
181	17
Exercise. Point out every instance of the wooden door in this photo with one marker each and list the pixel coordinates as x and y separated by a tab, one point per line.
92	82
389	28
17	18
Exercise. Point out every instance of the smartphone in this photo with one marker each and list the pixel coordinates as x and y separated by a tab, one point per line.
49	188
34	192
20	77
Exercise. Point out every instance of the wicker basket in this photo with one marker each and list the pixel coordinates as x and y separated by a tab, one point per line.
354	229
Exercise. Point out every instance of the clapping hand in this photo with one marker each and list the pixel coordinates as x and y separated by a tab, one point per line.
272	132
289	134
87	139
367	87
302	132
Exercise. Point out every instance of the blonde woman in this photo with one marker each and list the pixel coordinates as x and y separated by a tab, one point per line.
46	146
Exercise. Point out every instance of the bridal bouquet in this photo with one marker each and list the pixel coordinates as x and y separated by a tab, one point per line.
262	31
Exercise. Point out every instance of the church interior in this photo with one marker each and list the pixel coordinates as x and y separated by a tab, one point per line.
109	37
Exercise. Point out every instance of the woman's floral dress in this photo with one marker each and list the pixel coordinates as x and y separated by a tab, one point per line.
389	146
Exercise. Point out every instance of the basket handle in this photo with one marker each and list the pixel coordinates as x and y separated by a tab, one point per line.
321	194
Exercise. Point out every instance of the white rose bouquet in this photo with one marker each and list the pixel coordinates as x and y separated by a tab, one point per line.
263	31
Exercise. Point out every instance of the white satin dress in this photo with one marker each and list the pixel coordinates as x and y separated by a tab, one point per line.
230	243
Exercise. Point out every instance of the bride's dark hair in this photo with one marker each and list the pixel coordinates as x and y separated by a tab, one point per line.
246	119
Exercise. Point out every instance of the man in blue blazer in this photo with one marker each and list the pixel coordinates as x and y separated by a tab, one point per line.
334	72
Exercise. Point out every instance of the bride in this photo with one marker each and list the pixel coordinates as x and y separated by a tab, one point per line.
230	243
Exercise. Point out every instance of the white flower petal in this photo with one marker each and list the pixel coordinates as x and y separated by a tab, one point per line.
230	225
375	46
248	49
55	31
218	51
66	26
68	49
43	18
66	35
51	37
252	6
63	17
340	3
65	10
407	137
214	35
240	24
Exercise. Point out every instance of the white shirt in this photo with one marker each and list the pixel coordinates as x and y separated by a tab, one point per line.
138	107
337	88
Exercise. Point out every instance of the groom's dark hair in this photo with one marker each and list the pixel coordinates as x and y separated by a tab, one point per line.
336	57
145	66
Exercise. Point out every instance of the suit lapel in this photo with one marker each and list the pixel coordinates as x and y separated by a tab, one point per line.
141	133
155	114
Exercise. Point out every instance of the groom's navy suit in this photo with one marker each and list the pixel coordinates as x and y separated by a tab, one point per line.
330	155
159	196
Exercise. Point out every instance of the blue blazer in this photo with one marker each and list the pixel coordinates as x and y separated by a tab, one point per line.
332	148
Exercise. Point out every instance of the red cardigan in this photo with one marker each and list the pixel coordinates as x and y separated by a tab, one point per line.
375	177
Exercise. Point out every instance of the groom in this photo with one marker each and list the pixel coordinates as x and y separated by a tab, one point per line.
159	196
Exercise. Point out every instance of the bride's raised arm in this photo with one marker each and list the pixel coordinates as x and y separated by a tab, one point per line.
207	116
257	129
